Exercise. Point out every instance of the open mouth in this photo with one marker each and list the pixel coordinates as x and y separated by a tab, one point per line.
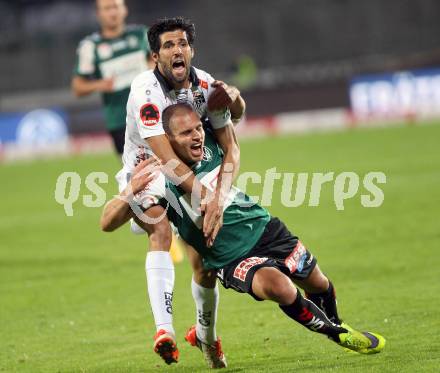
179	66
197	150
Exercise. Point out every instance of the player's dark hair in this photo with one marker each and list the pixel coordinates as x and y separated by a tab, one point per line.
170	111
170	24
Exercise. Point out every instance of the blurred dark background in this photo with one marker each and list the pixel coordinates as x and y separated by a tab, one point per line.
303	52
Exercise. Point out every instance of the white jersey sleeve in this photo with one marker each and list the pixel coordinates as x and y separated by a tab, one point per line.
146	104
86	57
218	118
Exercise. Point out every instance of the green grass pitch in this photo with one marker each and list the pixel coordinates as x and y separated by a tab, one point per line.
73	299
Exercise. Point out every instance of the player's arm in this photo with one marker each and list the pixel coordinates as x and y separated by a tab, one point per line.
117	211
228	171
82	86
85	80
227	96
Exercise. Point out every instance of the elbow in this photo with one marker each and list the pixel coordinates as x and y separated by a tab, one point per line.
76	92
106	225
76	87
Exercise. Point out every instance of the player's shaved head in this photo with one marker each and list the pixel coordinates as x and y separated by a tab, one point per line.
171	112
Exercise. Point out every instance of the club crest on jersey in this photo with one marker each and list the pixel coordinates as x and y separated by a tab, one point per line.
207	154
198	101
149	115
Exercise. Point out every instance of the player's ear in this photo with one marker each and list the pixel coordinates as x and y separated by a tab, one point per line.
192	52
124	10
155	57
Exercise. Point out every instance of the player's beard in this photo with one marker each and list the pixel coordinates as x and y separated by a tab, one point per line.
168	73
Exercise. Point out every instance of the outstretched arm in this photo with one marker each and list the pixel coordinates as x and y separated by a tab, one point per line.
82	87
117	211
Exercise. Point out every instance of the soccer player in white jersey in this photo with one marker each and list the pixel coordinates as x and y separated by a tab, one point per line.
175	80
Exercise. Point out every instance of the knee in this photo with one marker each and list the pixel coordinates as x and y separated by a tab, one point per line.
160	235
318	282
275	286
282	291
205	278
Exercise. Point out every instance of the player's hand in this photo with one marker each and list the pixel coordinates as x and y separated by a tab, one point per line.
212	211
143	174
223	95
106	85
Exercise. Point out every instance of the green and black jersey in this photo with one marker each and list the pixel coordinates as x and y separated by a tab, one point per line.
121	58
243	220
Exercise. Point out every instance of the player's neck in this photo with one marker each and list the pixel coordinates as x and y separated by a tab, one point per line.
184	85
111	33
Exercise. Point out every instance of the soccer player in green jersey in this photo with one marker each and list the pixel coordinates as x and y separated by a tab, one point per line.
253	252
107	61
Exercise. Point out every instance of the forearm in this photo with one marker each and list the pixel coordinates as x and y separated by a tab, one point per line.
115	214
83	87
237	109
231	161
228	172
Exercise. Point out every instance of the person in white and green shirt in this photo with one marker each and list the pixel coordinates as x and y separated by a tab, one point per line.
253	252
108	60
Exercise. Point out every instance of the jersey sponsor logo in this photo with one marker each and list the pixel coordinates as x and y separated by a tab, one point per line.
207	154
149	115
295	261
119	45
203	84
242	269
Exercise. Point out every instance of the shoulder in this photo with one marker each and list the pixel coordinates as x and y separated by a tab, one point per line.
205	79
87	45
203	75
145	80
146	88
93	39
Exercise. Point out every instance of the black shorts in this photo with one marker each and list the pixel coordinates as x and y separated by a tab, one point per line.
276	248
118	137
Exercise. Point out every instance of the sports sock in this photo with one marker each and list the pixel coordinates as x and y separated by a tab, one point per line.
326	301
160	280
206	300
309	315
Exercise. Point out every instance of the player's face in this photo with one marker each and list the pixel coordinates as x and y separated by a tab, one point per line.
174	58
187	137
111	13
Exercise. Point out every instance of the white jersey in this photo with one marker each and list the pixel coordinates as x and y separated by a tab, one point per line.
150	94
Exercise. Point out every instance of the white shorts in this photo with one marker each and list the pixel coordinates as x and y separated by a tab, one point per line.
148	197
